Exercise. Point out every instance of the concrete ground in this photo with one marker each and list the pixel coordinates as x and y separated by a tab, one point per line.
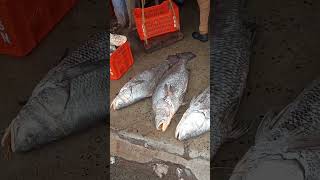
136	121
80	156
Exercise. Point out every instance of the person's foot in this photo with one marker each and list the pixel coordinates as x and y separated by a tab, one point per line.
200	37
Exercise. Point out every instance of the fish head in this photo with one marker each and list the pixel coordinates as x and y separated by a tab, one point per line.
118	103
162	119
192	124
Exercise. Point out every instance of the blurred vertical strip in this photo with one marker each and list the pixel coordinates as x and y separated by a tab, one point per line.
120	10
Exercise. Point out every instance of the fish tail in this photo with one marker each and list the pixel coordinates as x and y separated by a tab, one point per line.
184	56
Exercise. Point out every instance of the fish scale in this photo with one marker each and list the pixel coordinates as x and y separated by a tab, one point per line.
71	97
300	119
140	86
196	120
169	94
230	57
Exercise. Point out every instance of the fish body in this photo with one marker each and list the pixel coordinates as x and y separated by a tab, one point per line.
117	40
230	59
170	92
71	97
139	87
196	120
291	135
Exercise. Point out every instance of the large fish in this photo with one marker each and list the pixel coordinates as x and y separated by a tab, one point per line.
287	143
231	43
196	120
139	87
170	92
71	97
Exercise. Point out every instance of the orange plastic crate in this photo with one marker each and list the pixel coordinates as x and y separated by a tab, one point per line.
23	23
120	61
159	19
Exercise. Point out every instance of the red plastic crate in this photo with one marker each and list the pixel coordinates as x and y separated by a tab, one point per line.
24	23
120	61
159	19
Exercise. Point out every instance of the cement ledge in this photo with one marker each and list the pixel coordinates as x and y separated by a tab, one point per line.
133	148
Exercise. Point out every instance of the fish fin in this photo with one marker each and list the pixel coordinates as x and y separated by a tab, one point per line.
193	100
228	121
168	89
237	128
136	82
184	103
83	68
265	124
311	142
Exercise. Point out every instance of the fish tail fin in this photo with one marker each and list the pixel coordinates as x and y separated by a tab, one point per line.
266	124
185	56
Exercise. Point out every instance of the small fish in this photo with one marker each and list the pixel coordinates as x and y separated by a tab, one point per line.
289	138
196	120
117	40
170	92
140	87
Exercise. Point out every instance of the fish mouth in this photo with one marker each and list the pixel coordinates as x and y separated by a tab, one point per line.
114	105
179	135
163	126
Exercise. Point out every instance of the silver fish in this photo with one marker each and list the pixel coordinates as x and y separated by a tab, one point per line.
170	92
291	137
196	120
230	58
139	87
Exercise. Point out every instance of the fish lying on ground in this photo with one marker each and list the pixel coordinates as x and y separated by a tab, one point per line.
230	51
286	144
196	120
71	97
139	87
142	85
170	92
